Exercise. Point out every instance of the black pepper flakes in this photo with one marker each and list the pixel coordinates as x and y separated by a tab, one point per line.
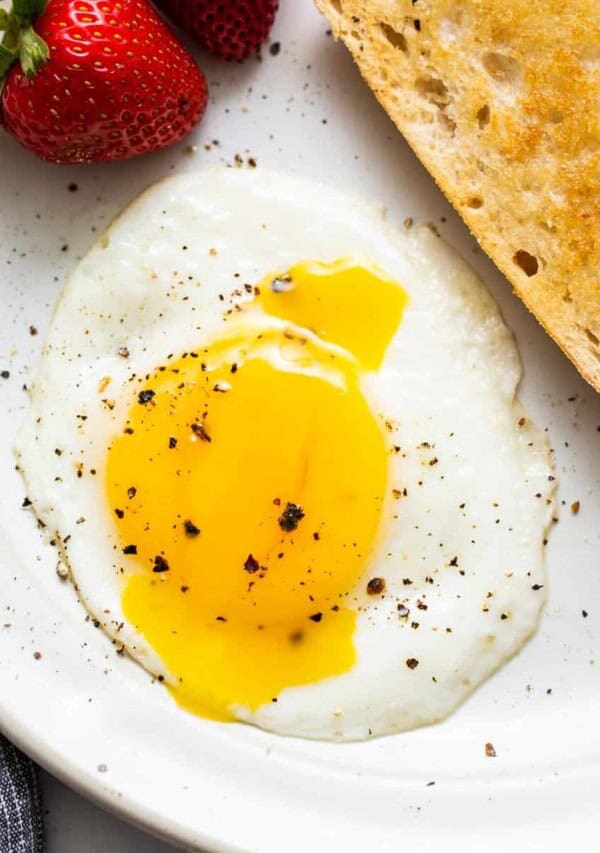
200	431
316	617
376	586
291	516
282	283
172	442
412	663
251	564
146	396
190	528
160	564
131	492
130	549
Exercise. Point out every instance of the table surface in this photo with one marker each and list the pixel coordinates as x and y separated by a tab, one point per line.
73	825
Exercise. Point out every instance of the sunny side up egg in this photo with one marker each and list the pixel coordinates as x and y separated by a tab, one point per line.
278	443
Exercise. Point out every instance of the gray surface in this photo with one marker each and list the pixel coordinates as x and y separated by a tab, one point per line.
74	825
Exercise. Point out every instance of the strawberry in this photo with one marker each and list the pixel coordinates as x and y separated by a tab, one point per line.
96	80
232	29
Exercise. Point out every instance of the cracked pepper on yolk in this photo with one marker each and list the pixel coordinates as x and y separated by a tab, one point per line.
248	486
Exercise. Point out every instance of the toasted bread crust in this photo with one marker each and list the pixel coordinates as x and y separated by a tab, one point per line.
501	102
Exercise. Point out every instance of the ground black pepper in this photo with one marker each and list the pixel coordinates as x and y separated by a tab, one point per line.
376	586
190	528
291	516
251	564
160	564
200	431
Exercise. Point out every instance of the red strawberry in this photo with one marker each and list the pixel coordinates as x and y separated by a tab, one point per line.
98	80
232	29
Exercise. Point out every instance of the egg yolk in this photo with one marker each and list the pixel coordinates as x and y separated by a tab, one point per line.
342	302
248	485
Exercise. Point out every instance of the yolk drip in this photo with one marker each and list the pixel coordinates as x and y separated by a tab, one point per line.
248	486
350	305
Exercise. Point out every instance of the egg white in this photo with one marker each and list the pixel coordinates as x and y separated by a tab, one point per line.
468	534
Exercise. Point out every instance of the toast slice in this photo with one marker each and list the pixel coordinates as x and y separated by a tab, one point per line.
501	102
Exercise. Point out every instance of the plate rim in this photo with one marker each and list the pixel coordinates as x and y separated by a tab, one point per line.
83	782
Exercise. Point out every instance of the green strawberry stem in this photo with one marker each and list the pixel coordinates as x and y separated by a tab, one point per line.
20	41
29	8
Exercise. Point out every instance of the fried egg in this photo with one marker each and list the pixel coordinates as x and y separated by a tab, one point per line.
278	442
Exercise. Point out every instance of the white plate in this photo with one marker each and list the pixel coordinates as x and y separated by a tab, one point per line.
96	721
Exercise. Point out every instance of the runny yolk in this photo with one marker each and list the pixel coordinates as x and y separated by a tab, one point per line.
341	302
248	485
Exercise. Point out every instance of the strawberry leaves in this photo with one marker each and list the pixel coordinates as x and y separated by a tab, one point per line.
10	41
33	51
20	41
28	9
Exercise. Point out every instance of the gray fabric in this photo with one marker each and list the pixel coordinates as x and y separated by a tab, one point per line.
21	827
